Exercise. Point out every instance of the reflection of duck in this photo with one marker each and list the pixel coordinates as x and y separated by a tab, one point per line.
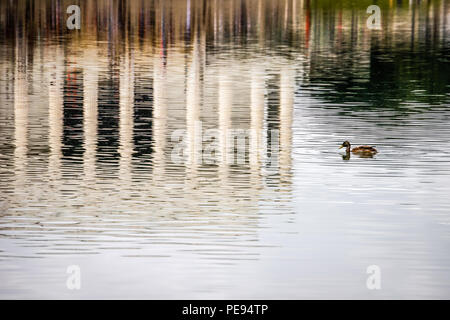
346	156
362	151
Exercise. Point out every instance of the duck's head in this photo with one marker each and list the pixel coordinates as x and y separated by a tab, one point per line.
345	144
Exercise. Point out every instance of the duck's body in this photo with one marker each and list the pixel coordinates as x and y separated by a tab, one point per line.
362	150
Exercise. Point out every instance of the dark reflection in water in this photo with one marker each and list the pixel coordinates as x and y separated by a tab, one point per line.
91	119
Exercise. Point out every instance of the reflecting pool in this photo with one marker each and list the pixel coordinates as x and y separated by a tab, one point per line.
116	157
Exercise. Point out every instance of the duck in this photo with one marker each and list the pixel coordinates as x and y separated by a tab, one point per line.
361	150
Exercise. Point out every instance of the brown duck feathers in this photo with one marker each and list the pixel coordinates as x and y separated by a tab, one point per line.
360	149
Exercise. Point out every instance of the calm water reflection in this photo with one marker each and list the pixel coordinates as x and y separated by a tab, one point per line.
86	149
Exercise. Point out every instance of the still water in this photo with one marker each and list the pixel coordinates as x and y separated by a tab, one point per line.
87	170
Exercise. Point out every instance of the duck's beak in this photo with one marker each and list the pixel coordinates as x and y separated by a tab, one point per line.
341	147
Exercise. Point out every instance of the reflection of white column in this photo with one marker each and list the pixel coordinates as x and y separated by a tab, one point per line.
225	106
159	117
126	92
256	125
261	23
256	116
20	115
287	89
193	138
215	9
294	15
90	112
286	14
55	111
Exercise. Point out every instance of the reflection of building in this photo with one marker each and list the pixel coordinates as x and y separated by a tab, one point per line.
231	104
107	100
234	82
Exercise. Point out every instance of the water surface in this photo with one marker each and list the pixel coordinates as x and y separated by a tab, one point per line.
88	178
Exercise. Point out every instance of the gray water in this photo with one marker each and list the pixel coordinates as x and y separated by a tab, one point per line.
88	178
